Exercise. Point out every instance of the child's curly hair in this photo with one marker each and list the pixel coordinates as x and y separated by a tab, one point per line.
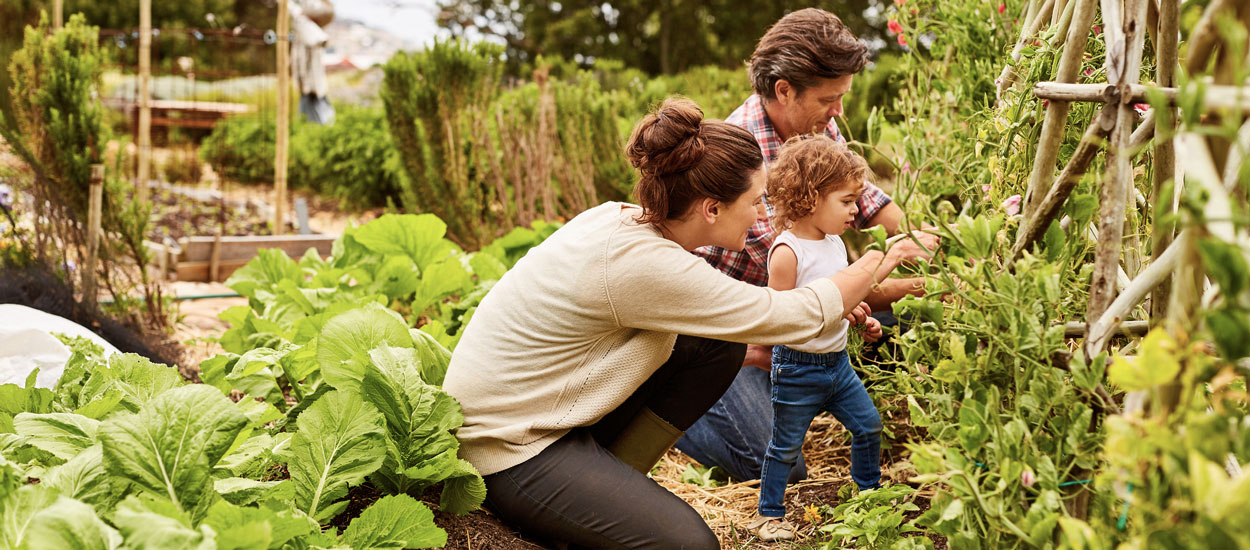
809	167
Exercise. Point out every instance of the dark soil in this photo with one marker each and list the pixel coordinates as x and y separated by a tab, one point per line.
177	216
478	530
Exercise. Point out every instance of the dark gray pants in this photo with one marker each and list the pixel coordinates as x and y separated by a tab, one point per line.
576	494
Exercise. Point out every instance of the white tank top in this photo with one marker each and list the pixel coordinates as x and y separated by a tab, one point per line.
817	259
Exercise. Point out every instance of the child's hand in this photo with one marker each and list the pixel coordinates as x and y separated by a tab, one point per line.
872	330
859	314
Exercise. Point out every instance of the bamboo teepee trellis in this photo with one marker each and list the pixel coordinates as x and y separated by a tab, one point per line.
1174	278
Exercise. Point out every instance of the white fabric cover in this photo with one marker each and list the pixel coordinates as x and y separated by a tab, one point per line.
26	343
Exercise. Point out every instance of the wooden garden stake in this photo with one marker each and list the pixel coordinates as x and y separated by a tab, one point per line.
1057	113
95	207
1124	63
283	122
1164	154
145	100
58	16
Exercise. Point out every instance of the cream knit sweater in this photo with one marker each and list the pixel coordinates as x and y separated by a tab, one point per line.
587	316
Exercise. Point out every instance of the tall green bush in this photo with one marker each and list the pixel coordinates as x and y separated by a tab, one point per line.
437	108
241	149
353	160
56	118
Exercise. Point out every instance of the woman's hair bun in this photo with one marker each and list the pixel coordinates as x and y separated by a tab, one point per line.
669	140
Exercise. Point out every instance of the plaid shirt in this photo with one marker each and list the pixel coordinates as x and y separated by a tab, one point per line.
751	264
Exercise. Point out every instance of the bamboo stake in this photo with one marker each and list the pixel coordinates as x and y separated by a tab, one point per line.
1119	177
1076	329
1030	28
1050	206
284	115
58	14
1216	96
95	206
1236	157
1057	113
145	100
1164	154
1143	134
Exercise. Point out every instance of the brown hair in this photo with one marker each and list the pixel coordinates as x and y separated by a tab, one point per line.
802	47
810	167
682	158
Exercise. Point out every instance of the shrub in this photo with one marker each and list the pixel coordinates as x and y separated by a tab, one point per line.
183	167
353	160
241	149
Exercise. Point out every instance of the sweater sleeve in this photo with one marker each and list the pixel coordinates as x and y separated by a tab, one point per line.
663	288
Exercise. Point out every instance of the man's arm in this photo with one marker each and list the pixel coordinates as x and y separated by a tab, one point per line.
890	218
883	296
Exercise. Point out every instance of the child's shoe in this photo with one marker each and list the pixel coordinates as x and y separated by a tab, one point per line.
771	529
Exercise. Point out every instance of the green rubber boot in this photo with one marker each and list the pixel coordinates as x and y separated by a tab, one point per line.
644	441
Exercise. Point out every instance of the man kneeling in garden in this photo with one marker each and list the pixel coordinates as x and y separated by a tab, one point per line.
801	70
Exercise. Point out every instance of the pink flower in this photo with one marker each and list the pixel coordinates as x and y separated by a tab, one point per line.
1012	205
1002	8
899	2
902	40
1089	72
1045	103
986	189
894	26
1027	479
907	167
1097	30
1141	107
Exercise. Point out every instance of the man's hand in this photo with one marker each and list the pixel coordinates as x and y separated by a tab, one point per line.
872	330
859	314
760	357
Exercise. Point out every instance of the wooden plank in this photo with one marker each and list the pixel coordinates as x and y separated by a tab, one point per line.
199	271
199	249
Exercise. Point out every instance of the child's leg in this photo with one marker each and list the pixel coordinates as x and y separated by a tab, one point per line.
852	407
799	392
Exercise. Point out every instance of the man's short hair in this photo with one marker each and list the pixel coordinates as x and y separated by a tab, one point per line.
803	47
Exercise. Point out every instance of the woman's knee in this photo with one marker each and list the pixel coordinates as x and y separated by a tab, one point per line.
687	535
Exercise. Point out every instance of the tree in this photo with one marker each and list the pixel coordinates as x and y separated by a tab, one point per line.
657	36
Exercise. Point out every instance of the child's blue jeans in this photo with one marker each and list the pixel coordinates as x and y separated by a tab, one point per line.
803	385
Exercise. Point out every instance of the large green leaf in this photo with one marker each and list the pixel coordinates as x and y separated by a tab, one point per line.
170	447
17	511
240	528
267	269
70	525
393	523
348	337
83	477
341	439
62	434
158	525
419	236
396	277
136	379
434	358
421	420
15	399
1155	365
439	281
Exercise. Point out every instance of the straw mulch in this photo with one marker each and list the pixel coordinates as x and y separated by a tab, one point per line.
729	508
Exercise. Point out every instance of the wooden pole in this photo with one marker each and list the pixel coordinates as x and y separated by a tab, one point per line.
95	206
1057	112
145	99
58	14
1124	56
284	114
1164	153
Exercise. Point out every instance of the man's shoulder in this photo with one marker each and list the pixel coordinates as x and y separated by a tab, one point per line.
745	113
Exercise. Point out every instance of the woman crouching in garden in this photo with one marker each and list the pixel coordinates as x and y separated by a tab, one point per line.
588	359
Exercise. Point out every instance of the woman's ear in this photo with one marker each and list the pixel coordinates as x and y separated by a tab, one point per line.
709	209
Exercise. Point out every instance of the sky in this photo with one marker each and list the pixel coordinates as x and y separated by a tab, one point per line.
411	20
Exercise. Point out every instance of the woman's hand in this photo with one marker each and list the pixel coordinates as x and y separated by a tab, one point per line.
859	314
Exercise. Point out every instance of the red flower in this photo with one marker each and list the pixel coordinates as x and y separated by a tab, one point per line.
894	26
913	11
902	40
900	2
1097	30
1141	107
1002	8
